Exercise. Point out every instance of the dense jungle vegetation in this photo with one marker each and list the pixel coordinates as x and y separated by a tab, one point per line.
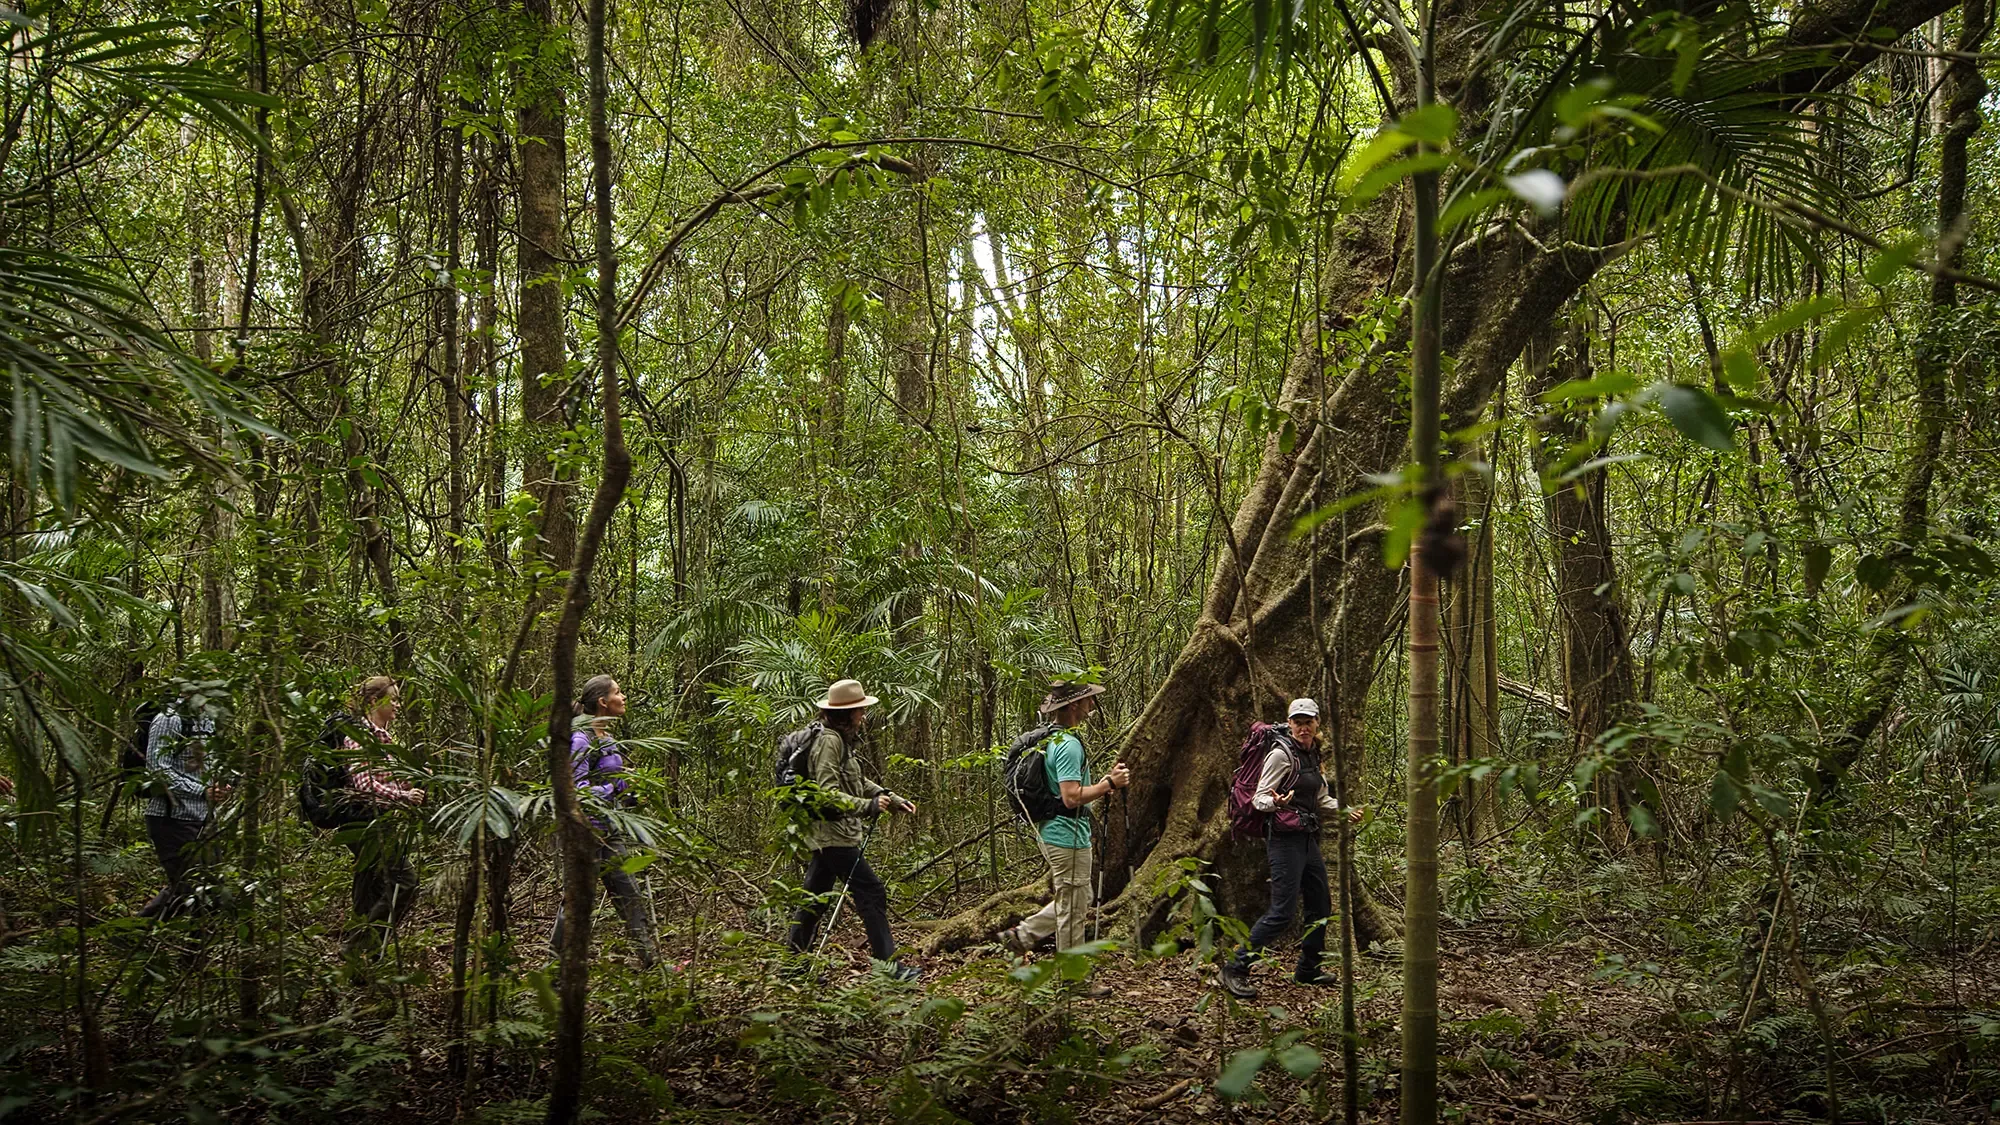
1589	405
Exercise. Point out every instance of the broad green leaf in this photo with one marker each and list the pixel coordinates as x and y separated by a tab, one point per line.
1433	124
1696	414
1893	260
1724	795
1834	340
1242	1070
1300	1060
1376	182
1471	207
1739	368
1384	145
1642	822
1607	385
1796	316
1819	560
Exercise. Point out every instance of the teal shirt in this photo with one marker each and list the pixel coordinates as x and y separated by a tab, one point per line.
1067	762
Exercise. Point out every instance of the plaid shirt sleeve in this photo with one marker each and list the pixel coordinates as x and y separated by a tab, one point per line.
376	785
168	753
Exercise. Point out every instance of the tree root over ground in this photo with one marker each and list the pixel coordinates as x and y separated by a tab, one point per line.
982	921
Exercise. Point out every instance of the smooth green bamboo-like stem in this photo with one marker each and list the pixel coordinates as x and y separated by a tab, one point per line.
1419	1085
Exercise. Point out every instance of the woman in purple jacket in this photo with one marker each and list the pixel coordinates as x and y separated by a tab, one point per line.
599	767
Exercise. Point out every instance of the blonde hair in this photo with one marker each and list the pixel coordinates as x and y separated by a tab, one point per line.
372	691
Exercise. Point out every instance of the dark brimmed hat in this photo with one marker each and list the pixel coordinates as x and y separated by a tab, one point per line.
1062	693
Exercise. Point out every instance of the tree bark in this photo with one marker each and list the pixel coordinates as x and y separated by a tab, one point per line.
542	258
579	839
1472	669
1890	649
1599	683
1420	891
449	325
1253	637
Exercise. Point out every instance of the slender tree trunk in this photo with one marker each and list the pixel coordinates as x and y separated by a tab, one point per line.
1471	659
1938	347
542	260
579	840
455	400
218	521
486	367
1420	920
264	739
1599	679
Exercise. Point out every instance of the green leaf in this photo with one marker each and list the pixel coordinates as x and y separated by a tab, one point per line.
1300	1060
1724	795
1819	560
1773	802
1379	180
1607	385
1894	260
1834	340
1433	124
1875	571
1642	822
1381	147
1241	1072
1739	369
1696	414
1796	316
1471	206
1031	977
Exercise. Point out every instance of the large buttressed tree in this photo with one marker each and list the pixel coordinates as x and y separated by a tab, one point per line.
1732	147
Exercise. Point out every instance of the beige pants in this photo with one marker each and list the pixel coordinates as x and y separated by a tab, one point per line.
1064	915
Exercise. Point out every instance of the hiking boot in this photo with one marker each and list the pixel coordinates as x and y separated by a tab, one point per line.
897	971
1013	939
1318	978
1236	982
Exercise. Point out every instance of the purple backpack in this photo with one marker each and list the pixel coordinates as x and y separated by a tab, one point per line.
1246	822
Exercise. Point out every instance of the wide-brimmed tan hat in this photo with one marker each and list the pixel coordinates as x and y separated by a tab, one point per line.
845	695
1062	693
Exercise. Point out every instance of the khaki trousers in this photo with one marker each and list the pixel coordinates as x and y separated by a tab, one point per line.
1069	869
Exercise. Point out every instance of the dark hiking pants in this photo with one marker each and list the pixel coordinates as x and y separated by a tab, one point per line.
179	845
871	900
385	885
1298	871
633	905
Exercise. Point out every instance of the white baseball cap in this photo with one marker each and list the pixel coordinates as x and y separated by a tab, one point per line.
1302	707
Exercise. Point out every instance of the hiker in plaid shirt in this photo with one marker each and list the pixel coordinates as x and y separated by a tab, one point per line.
179	812
385	884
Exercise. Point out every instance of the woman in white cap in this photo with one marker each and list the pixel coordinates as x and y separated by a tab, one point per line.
837	841
1292	793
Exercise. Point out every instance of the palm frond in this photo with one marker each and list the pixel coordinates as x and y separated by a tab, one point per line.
89	381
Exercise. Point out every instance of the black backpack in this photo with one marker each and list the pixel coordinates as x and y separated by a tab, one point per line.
1025	773
324	784
132	761
794	751
138	738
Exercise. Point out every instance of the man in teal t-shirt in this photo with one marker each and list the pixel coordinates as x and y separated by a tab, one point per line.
1065	839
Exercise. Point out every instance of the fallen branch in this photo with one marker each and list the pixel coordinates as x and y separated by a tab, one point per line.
1155	1101
1534	695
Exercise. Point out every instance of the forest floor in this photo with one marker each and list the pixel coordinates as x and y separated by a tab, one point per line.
1628	1017
1590	1028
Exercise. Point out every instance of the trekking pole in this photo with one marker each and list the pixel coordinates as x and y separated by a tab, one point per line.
860	854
